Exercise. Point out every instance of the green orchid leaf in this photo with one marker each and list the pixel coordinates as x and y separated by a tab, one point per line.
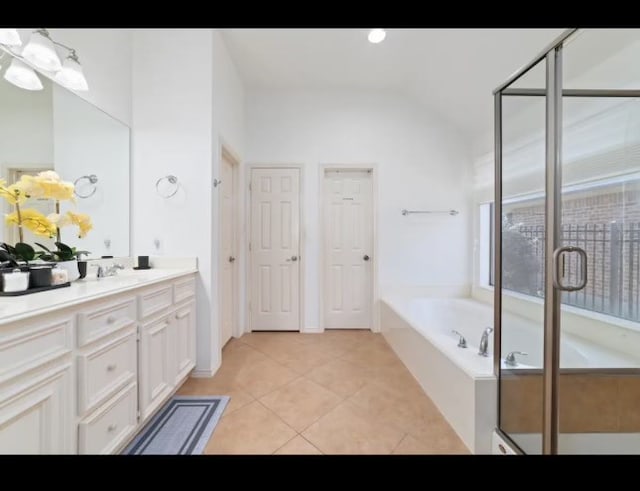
5	256
43	247
25	251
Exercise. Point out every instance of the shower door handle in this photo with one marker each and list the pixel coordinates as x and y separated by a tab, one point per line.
558	271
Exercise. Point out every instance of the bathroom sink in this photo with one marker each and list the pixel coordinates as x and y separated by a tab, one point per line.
125	276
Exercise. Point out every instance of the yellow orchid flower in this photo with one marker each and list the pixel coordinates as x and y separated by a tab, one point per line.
14	194
31	186
59	220
47	184
32	220
83	221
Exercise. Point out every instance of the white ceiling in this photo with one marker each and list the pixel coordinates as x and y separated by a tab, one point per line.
451	71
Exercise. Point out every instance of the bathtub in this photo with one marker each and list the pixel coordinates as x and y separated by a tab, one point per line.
459	381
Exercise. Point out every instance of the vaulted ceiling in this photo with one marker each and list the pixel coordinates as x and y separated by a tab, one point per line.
450	71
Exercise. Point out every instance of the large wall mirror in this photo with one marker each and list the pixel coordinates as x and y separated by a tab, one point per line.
54	129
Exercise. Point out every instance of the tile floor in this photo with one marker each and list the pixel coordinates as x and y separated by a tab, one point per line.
340	392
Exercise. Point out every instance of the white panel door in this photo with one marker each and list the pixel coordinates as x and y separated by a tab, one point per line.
348	248
275	249
228	250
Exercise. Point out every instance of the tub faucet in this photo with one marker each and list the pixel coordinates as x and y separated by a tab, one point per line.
462	342
510	359
484	342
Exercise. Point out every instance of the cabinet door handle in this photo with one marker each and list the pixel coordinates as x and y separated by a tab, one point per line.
112	427
111	319
111	367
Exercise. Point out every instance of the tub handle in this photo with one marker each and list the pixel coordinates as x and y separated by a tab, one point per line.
462	342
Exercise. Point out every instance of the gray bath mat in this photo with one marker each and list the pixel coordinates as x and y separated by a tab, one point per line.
182	427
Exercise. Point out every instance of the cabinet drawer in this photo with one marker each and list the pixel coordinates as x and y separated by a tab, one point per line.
103	318
105	369
111	425
154	301
184	289
32	343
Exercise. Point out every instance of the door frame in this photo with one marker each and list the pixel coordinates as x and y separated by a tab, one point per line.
301	241
236	332
322	170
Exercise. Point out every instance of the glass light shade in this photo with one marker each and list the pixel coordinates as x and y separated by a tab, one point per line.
42	53
377	36
10	37
22	75
71	75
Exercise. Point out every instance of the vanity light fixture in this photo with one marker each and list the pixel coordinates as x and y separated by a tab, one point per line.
10	37
23	76
41	52
377	36
71	75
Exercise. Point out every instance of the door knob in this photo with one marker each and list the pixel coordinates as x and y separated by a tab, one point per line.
293	258
231	259
366	257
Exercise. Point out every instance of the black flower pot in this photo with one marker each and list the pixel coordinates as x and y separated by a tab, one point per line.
40	276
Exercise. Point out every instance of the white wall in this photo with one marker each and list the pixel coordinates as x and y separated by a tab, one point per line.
180	118
172	134
422	163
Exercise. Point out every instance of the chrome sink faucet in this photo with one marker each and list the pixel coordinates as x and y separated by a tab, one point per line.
106	271
484	342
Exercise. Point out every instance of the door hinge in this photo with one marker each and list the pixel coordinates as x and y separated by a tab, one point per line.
139	415
249	186
138	336
249	245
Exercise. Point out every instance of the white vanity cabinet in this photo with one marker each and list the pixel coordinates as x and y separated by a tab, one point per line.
85	378
36	389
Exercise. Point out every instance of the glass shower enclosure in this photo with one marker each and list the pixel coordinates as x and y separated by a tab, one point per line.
566	241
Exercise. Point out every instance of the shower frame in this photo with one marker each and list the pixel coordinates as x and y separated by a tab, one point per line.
554	93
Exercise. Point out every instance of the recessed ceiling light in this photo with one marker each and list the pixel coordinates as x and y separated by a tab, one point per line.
377	36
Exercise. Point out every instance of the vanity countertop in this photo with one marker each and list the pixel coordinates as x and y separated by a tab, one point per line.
17	308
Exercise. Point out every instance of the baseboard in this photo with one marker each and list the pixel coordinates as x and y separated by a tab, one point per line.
206	373
312	330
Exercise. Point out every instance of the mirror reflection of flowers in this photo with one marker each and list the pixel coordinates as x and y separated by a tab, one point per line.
44	185
81	220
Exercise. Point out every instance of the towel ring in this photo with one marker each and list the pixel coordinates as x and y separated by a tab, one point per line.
93	179
172	180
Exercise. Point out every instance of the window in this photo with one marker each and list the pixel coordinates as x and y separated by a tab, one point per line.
602	218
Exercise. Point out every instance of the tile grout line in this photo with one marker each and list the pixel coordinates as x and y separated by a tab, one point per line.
398	444
285	443
277	416
310	443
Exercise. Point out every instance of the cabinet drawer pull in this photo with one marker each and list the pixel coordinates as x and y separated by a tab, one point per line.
112	427
111	319
111	367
